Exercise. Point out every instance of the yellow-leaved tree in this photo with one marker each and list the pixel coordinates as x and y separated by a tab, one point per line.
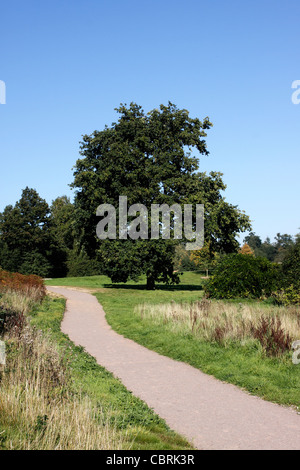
205	258
246	250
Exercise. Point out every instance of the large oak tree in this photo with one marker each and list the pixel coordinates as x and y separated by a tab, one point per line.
149	158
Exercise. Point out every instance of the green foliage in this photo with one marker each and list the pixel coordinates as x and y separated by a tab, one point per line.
27	242
291	265
24	226
205	259
123	259
182	260
289	292
62	222
239	275
147	157
275	251
288	296
284	243
79	263
35	263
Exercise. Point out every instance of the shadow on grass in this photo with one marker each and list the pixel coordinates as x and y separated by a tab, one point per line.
177	287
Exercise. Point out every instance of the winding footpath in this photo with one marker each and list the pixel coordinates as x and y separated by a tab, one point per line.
209	413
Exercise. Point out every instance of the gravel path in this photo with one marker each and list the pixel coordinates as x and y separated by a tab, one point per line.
209	413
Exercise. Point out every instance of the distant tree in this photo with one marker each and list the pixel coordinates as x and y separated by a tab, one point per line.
79	264
24	229
35	263
246	250
27	244
291	265
62	222
9	258
25	226
283	245
182	259
253	240
73	259
62	234
205	259
268	250
275	251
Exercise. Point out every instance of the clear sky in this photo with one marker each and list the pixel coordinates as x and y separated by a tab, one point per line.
68	63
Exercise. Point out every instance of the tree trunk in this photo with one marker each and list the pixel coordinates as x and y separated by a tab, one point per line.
150	283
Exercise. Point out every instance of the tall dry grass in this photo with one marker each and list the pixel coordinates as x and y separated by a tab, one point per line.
275	327
19	302
39	410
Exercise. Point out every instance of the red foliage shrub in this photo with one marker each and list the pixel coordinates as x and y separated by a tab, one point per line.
271	336
32	285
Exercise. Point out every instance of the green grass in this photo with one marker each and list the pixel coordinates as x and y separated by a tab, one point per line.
127	413
189	281
274	379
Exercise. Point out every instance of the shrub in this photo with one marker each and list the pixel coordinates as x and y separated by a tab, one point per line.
79	264
288	296
31	286
272	336
244	276
35	263
18	295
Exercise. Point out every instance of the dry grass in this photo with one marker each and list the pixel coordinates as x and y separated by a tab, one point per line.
38	408
19	302
224	322
31	286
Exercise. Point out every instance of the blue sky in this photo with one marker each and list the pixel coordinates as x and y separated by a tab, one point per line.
67	64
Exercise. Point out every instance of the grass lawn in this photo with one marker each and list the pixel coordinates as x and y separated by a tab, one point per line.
274	379
189	281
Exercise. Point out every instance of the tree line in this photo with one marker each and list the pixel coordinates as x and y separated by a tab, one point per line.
36	238
152	158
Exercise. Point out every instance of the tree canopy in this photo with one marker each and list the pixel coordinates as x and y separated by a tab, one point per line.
28	243
149	159
276	251
291	265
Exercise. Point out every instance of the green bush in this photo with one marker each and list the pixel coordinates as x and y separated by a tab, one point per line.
245	276
35	263
287	296
79	264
